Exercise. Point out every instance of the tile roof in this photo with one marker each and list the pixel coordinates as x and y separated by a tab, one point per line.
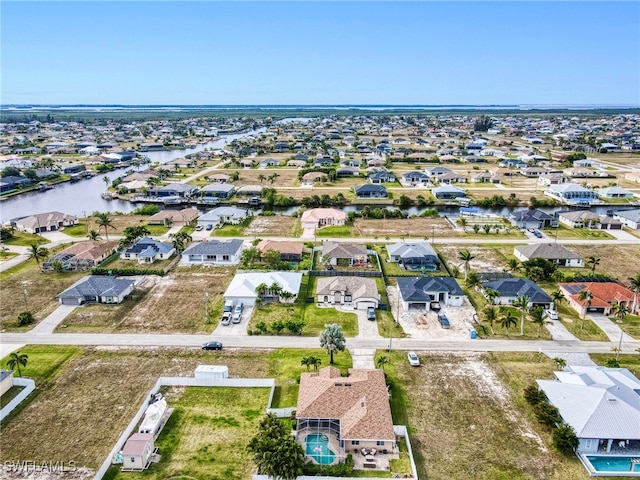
280	246
603	294
315	214
360	401
343	250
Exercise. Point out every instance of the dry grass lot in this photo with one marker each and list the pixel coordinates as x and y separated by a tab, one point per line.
468	418
620	261
287	177
278	225
409	227
173	304
487	259
41	289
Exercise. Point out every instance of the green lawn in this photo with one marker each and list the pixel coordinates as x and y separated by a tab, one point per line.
156	230
7	255
341	231
44	361
24	239
630	362
207	434
564	232
229	230
79	230
631	325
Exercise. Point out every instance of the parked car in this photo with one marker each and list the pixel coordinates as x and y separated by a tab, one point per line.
199	228
552	314
444	321
237	313
209	227
538	233
371	313
212	346
414	360
435	306
226	318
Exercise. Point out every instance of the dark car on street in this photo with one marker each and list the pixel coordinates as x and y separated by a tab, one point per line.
212	346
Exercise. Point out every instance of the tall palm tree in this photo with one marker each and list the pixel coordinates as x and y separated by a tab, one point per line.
634	284
557	298
619	311
466	257
507	321
38	253
103	220
306	361
538	317
315	362
16	359
491	315
593	262
332	340
585	296
94	235
521	302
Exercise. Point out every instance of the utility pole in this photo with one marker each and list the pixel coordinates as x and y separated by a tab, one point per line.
24	297
206	306
619	344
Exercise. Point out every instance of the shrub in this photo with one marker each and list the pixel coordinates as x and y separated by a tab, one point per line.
612	363
547	414
564	439
146	210
533	395
25	318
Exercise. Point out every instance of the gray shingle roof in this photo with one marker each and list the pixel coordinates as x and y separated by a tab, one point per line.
514	287
421	289
214	247
97	285
550	251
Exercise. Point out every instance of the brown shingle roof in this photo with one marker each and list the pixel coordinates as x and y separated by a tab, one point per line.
281	247
360	401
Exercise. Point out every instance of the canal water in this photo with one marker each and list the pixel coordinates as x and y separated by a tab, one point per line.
84	197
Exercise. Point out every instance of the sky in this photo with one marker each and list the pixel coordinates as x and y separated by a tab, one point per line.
301	53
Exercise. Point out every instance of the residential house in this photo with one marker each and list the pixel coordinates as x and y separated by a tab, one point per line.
323	162
138	452
243	286
250	190
370	191
588	219
217	191
436	172
414	256
614	192
554	252
448	192
449	178
148	250
353	292
6	381
601	405
381	177
322	217
45	222
629	218
222	215
510	288
353	412
174	190
269	162
349	254
419	292
213	252
289	251
604	294
314	177
532	218
484	177
415	178
572	194
347	172
174	217
553	178
81	256
533	172
96	289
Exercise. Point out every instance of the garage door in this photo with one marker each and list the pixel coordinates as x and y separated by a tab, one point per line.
365	305
417	306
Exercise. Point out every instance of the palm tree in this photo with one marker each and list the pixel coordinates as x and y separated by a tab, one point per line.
38	253
332	340
594	262
261	289
315	362
521	302
538	317
513	265
491	295
635	287
490	314
585	296
103	220
619	311
560	362
557	298
106	180
381	361
507	321
473	280
16	359
261	178
273	177
306	361
94	235
466	257
180	240
463	223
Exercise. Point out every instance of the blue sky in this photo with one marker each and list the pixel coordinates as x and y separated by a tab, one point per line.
321	53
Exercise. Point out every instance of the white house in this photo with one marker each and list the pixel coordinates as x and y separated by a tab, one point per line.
600	404
148	250
221	215
572	194
357	292
322	217
45	222
614	192
630	218
554	252
213	252
243	286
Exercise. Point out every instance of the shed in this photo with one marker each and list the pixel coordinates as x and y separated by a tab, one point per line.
212	371
137	452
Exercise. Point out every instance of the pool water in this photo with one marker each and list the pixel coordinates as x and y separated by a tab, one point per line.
613	464
317	447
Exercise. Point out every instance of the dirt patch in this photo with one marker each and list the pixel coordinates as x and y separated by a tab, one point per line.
409	227
278	225
487	259
620	261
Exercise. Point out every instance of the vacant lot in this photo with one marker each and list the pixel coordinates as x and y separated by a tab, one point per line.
486	259
619	261
207	433
25	283
100	389
276	225
406	227
468	418
175	303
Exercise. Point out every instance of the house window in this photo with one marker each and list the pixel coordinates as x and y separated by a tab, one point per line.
132	459
225	258
347	298
355	442
380	443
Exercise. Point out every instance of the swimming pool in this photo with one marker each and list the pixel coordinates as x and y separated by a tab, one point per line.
608	463
317	447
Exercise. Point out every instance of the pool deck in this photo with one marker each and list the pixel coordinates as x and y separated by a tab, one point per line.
613	473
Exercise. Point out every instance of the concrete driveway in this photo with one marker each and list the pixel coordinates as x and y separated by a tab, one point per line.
49	324
609	327
234	329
